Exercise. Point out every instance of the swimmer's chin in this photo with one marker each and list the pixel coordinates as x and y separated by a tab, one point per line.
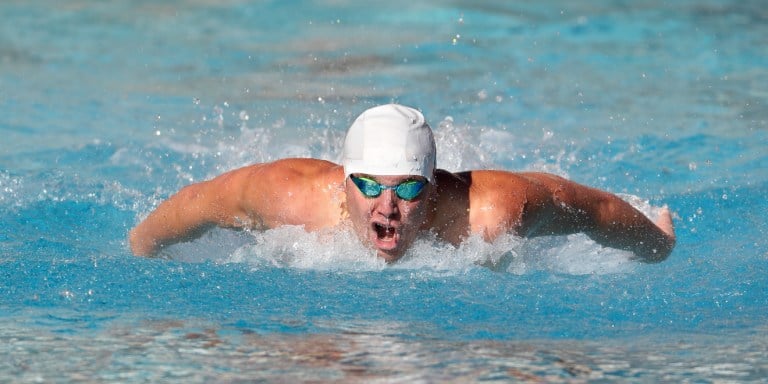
387	247
388	257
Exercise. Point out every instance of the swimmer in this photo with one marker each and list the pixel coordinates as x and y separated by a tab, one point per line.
388	191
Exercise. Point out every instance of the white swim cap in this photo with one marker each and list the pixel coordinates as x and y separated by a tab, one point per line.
390	140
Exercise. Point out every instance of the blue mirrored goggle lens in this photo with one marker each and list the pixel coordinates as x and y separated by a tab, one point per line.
407	190
367	187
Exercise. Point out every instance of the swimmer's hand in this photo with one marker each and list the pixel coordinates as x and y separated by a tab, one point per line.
140	245
664	222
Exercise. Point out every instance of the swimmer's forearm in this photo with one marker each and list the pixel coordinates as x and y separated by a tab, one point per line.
146	242
193	210
603	216
618	225
154	233
184	216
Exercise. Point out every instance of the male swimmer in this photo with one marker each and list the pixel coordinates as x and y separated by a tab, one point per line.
388	191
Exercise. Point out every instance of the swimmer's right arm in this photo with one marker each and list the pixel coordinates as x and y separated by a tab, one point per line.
190	212
259	196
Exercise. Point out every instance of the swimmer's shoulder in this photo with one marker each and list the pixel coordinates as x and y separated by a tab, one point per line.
291	169
297	165
283	174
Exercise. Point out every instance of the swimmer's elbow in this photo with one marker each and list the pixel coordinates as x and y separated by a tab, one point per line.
657	252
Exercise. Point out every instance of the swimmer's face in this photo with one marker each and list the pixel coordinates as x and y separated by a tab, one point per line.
387	222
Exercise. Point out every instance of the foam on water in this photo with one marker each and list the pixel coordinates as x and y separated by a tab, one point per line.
340	250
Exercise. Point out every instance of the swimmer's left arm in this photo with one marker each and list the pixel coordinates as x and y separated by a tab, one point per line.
606	218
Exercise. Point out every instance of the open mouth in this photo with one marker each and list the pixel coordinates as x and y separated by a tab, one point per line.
386	239
384	232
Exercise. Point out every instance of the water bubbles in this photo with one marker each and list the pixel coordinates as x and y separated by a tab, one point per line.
11	186
218	113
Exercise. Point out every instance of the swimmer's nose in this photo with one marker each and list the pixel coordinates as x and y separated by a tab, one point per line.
388	203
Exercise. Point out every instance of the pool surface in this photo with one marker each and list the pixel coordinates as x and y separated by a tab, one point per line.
107	108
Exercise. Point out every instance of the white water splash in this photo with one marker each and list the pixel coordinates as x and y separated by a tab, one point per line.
293	247
340	250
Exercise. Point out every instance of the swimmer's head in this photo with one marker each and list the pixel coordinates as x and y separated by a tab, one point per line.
390	140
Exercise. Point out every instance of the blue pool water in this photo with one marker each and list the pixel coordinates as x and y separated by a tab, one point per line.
106	108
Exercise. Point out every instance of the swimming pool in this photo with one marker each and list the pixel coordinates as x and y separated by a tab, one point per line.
106	108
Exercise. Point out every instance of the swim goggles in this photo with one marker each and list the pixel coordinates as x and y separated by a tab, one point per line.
407	190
